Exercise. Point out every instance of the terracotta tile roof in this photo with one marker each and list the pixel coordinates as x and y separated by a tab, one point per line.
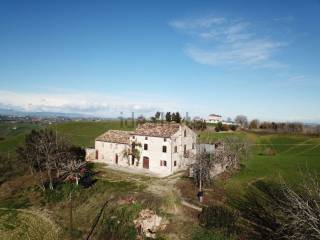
214	115
115	136
156	129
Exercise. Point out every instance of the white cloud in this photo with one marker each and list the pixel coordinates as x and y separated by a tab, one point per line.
228	42
197	23
86	103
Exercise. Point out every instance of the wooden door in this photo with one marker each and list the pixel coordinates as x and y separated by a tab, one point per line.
146	162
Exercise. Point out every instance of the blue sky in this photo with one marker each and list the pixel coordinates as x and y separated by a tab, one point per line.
258	58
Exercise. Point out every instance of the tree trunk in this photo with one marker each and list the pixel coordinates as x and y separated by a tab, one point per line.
50	179
71	216
77	180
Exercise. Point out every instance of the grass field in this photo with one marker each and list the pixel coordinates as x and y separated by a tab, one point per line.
293	154
12	135
78	133
272	157
292	157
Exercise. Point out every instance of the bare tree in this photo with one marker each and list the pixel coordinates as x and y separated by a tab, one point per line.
242	121
49	153
254	124
279	211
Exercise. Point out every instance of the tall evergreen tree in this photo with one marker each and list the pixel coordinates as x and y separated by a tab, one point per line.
157	115
168	117
173	117
177	117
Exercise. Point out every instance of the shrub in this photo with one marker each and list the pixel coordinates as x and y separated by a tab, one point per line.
276	211
118	223
205	234
225	127
233	127
219	217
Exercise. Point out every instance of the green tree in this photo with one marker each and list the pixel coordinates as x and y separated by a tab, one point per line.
168	117
157	115
177	118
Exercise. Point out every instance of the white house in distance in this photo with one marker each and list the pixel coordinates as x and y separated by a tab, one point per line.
214	118
161	148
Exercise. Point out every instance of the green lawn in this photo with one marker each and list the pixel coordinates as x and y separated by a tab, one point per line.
84	133
79	133
12	135
294	156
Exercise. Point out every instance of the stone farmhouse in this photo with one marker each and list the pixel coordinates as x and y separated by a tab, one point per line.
161	148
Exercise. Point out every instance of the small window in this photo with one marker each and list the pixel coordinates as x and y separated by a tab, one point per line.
165	163
185	133
164	139
146	138
145	146
133	137
192	145
185	149
164	149
175	163
175	149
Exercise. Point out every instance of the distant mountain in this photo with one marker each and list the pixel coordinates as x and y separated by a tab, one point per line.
42	114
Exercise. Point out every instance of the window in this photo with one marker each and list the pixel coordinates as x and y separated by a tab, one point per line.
164	139
185	149
145	138
133	137
185	133
192	145
163	163
145	146
164	149
175	149
97	154
175	163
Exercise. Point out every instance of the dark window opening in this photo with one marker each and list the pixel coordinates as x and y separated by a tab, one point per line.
164	149
175	163
185	133
146	138
145	146
164	139
165	163
175	149
192	145
185	149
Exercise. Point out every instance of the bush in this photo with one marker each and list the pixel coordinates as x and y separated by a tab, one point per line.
276	211
219	127
219	217
233	127
204	234
118	223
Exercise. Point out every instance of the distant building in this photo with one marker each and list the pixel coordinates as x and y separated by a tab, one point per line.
214	118
159	148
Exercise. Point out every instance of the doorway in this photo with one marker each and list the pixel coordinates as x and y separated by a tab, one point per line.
146	162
